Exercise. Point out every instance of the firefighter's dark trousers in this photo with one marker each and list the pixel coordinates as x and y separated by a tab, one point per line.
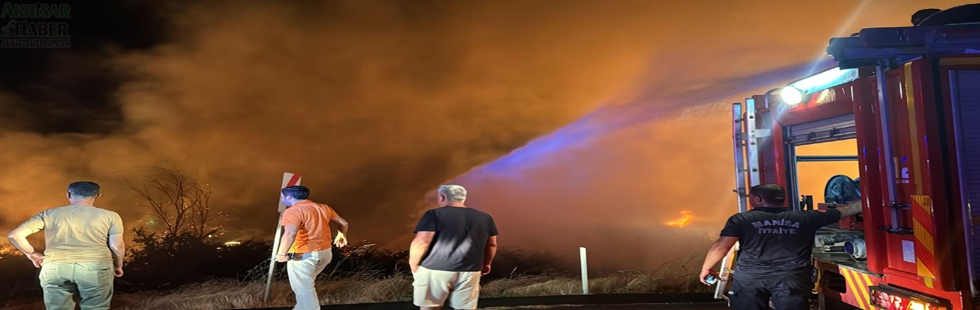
788	292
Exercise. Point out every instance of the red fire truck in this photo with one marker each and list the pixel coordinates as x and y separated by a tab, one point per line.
908	98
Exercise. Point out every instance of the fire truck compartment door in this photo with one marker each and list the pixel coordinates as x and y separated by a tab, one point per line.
966	104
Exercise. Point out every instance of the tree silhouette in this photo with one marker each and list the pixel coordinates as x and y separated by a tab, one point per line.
179	203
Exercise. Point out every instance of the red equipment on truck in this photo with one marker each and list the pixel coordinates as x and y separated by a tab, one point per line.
908	98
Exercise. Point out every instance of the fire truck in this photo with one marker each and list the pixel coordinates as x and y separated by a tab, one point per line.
907	99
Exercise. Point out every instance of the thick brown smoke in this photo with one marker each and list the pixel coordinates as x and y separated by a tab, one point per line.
377	102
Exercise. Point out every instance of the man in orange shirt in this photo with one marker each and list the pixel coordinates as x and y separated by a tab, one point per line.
307	237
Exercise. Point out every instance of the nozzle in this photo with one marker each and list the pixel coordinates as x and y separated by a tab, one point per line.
711	280
831	240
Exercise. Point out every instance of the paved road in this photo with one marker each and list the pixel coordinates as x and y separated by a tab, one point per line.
675	306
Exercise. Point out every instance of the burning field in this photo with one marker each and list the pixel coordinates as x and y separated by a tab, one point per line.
603	125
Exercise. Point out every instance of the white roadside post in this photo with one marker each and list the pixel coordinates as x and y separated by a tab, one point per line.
585	272
288	179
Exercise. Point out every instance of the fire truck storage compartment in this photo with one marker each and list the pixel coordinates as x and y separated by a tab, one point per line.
826	130
811	172
965	95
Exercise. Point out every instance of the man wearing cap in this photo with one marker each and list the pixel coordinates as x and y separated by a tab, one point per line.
305	244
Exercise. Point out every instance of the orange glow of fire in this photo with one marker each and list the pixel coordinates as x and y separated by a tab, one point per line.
681	222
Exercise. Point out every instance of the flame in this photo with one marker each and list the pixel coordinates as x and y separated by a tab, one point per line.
684	221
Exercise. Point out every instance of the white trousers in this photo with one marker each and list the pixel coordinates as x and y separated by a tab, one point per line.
91	282
302	276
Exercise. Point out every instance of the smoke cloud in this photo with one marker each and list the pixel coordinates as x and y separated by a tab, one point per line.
612	181
377	102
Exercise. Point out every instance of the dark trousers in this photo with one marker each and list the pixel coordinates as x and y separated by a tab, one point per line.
788	292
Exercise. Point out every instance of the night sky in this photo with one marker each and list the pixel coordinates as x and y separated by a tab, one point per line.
378	102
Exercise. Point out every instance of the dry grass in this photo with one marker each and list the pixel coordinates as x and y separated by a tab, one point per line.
226	294
619	283
241	295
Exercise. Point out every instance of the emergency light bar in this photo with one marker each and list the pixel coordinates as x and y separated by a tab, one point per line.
892	298
825	80
798	91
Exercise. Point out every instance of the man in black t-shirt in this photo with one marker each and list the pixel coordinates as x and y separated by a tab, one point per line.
453	247
775	243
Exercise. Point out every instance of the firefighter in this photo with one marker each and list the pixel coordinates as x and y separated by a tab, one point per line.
774	252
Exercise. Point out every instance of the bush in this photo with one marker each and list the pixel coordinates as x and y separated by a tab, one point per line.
170	262
20	279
